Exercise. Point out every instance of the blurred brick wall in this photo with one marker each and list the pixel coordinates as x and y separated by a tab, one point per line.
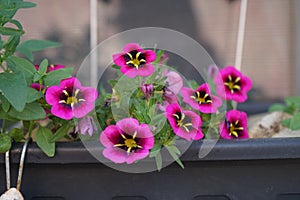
269	55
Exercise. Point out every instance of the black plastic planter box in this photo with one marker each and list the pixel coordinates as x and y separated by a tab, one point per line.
246	169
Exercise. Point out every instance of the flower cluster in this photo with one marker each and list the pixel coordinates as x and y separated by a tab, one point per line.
162	110
41	101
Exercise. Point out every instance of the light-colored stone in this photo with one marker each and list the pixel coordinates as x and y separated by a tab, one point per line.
12	194
270	126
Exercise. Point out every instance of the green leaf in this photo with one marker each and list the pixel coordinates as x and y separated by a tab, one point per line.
277	107
43	67
33	95
293	101
159	54
116	67
54	77
5	103
4	115
173	152
295	122
155	150
14	88
24	4
286	122
32	111
43	136
29	46
10	31
5	143
16	134
21	65
41	71
60	133
11	45
158	160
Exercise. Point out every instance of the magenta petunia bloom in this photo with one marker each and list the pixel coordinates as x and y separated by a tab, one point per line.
148	90
232	84
37	86
174	82
86	125
55	67
50	68
135	61
70	99
127	141
235	125
212	71
201	99
185	123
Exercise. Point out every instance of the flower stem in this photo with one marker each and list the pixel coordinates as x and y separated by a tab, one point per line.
229	105
30	128
3	126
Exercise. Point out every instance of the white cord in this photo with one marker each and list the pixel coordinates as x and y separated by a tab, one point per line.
93	41
7	169
21	166
241	34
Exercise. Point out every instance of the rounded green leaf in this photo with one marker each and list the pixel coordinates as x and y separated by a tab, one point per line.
43	136
5	143
16	134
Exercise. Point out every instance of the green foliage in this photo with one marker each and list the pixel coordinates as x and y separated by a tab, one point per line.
14	89
32	111
5	143
43	137
292	107
60	133
54	77
16	134
28	47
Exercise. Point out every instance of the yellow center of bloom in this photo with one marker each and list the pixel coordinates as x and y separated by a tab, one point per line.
71	100
234	129
202	97
129	143
135	61
180	121
233	84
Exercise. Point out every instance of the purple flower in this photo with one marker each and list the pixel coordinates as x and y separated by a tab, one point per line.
186	124
148	90
212	71
86	125
70	99
232	84
135	61
201	99
174	82
55	67
127	141
50	68
37	86
235	125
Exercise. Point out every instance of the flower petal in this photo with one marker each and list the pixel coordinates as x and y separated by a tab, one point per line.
132	46
128	125
116	155
150	55
119	59
129	71
146	70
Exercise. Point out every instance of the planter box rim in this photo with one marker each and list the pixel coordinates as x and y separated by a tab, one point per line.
223	150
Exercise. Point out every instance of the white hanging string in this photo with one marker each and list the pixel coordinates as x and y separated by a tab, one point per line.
7	169
241	34
93	41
